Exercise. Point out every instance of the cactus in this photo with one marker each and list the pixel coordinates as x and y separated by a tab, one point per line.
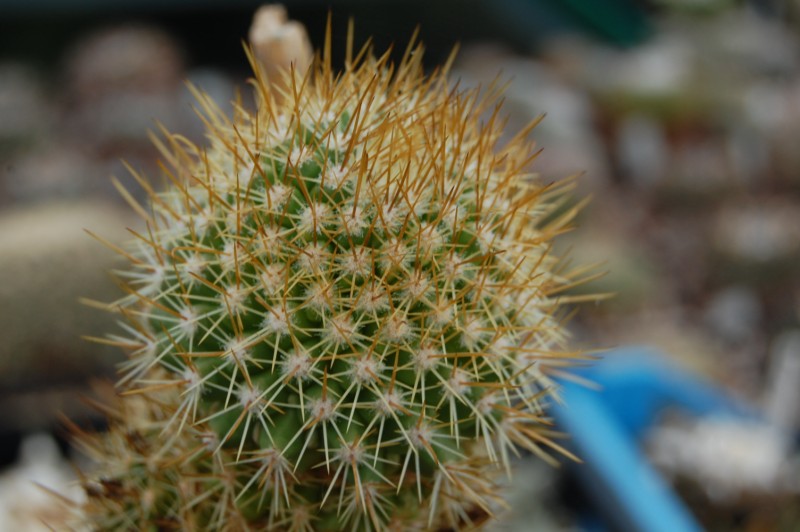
342	313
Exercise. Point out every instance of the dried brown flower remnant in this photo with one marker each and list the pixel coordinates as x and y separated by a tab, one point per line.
278	42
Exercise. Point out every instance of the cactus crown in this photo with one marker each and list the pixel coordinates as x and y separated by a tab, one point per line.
338	315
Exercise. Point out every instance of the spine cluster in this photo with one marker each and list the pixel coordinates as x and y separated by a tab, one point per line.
340	315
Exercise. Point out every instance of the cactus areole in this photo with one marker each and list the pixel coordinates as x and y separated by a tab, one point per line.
341	313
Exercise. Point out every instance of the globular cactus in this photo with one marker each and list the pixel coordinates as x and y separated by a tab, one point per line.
342	314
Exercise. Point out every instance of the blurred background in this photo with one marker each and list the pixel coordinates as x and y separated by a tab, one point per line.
682	118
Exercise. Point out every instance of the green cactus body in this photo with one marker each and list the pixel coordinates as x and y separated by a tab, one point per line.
339	314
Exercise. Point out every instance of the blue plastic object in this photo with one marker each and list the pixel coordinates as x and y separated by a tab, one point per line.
605	423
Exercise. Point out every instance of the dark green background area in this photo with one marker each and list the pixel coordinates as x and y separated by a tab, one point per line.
212	30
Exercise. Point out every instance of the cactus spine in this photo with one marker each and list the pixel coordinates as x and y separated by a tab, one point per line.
339	315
